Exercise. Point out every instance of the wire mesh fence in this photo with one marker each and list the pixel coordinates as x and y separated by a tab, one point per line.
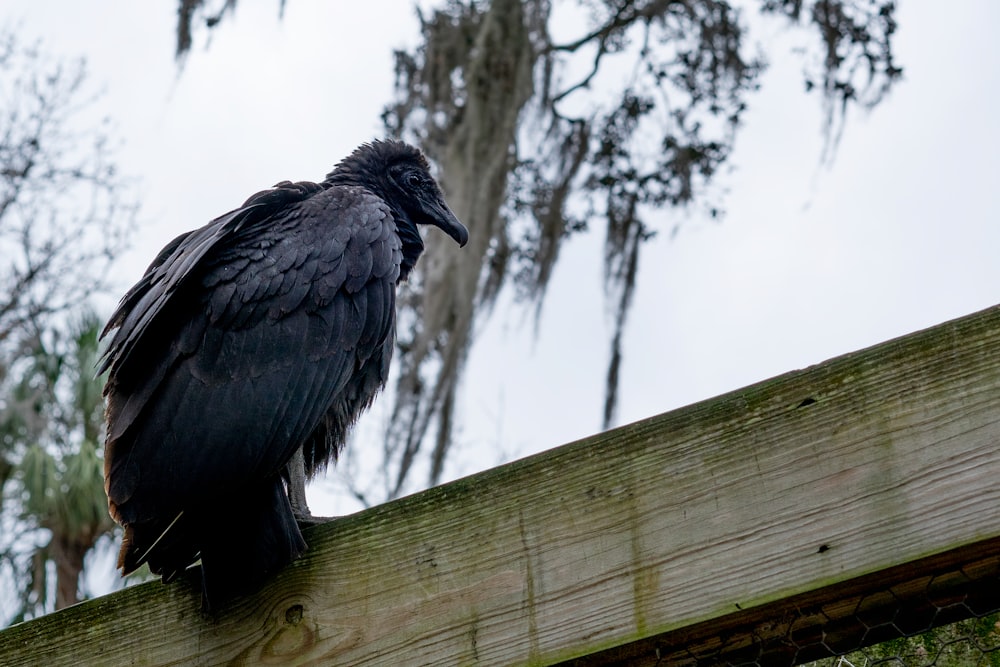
973	642
942	612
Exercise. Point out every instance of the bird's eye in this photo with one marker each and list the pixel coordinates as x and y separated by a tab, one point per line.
414	180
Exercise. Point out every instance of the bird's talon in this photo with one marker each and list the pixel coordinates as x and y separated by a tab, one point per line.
304	521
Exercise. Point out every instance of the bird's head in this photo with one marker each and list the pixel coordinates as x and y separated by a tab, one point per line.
400	175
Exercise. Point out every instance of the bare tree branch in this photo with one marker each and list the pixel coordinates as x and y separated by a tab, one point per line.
613	163
64	217
595	149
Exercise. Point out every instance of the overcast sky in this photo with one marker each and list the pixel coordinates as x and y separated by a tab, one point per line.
810	262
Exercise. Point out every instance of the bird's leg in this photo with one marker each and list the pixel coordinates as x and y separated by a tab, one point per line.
297	486
296	468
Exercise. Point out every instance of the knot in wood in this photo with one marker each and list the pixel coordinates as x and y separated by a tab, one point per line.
293	615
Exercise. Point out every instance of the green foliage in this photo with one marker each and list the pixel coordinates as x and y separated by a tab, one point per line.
65	495
64	217
51	426
974	642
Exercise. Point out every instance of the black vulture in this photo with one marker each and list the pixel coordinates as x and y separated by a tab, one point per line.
245	353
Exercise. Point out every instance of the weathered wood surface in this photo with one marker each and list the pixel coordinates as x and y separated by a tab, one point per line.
705	515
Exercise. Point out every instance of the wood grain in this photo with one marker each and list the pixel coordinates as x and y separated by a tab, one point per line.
791	487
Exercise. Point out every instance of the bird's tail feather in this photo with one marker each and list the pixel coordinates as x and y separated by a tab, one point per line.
168	546
242	547
241	540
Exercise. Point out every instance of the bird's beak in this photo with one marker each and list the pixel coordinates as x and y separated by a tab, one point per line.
441	217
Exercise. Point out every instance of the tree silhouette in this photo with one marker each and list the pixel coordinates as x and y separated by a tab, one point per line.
55	416
64	217
540	135
63	213
573	143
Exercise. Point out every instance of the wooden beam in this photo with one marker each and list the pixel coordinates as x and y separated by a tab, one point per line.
870	470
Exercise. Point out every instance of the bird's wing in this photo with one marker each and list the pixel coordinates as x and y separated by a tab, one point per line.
228	357
175	264
134	357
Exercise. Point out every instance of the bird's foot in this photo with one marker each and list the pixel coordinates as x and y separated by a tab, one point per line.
305	519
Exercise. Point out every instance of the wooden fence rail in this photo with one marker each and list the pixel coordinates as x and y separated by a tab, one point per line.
776	520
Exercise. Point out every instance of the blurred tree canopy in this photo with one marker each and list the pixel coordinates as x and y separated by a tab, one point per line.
64	217
55	417
548	119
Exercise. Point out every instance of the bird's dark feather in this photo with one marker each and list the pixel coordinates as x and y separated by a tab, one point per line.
265	331
246	352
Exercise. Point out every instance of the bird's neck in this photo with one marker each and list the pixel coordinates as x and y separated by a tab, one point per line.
413	245
336	177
